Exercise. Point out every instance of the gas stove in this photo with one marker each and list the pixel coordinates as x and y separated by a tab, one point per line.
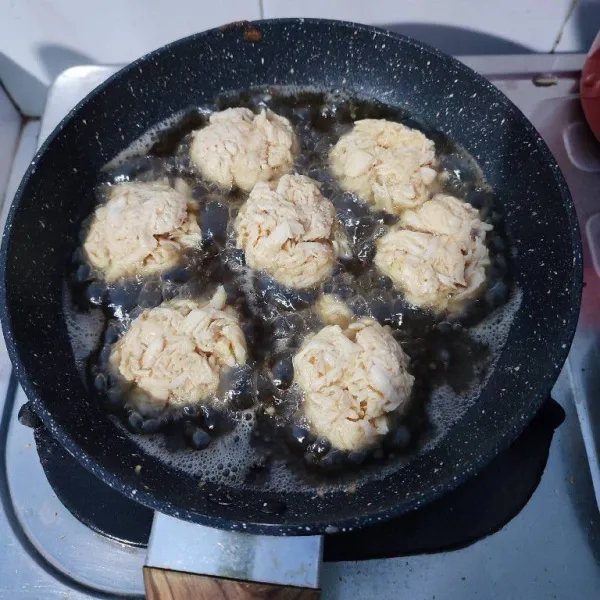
550	549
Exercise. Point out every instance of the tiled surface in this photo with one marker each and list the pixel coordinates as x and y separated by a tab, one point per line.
40	39
10	126
454	26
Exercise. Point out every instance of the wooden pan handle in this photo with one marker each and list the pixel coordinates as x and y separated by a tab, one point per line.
163	584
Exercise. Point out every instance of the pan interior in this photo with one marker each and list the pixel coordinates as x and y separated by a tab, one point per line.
257	449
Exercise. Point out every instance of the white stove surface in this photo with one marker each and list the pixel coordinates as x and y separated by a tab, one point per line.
550	550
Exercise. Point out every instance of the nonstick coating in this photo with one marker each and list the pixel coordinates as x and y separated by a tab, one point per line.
54	196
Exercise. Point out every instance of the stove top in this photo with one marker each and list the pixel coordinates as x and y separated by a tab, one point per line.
479	507
550	549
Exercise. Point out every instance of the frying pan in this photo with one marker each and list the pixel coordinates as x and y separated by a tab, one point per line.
54	197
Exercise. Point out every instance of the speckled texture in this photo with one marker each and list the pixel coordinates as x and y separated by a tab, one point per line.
55	195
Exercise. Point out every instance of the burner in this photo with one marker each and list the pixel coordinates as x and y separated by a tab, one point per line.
94	503
477	508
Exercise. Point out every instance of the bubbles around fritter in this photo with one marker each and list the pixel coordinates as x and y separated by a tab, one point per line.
289	230
143	228
387	164
352	379
174	354
441	259
238	148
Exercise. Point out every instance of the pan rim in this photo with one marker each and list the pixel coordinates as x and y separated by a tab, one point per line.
454	477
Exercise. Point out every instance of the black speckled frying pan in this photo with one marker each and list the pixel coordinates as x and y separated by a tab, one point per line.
41	234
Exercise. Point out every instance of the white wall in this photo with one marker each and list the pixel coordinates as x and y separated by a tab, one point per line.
40	38
459	26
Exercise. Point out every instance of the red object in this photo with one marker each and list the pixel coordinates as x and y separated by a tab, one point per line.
589	87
